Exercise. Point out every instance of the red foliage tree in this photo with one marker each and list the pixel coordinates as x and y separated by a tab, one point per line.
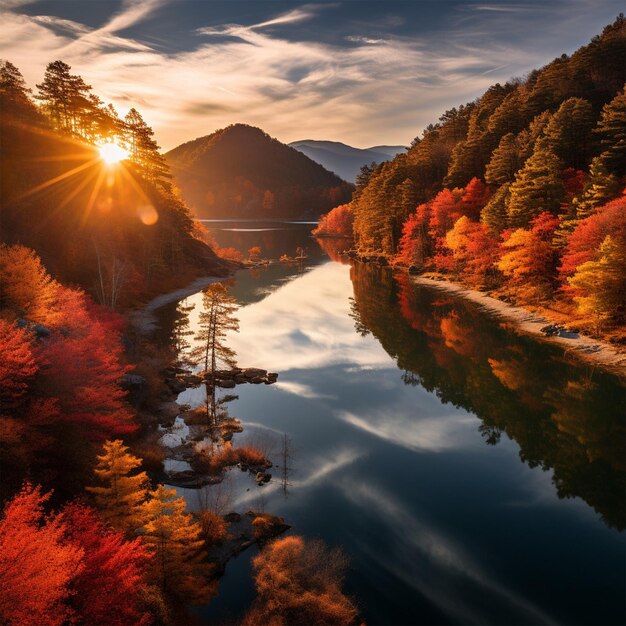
36	565
589	233
107	590
475	197
415	243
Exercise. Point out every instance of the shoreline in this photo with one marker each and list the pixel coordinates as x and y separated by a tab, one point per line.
594	351
143	319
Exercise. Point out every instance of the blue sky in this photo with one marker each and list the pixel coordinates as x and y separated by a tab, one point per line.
359	71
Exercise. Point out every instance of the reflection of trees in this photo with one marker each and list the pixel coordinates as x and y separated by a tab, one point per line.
560	418
334	247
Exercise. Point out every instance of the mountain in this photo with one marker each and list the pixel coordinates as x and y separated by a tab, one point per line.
342	159
242	172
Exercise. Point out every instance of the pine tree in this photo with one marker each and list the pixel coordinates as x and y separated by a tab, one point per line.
122	495
494	215
216	319
601	187
14	95
144	150
176	540
65	98
612	130
504	162
600	282
538	187
568	133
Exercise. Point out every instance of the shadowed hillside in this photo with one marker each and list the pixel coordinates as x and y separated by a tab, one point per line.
240	171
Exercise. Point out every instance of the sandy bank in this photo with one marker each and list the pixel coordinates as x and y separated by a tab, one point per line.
591	350
144	320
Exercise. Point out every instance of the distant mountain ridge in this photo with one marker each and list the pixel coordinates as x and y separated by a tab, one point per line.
342	159
242	172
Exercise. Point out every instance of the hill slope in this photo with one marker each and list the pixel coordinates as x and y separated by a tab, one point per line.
242	172
342	159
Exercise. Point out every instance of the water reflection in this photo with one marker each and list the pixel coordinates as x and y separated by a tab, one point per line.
458	464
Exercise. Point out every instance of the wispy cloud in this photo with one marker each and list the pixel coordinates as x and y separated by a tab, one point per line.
364	86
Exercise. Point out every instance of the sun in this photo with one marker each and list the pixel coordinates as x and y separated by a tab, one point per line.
111	153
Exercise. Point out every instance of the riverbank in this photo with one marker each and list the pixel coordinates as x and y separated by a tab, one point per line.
594	351
144	320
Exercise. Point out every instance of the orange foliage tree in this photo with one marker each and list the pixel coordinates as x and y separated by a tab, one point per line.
300	583
336	223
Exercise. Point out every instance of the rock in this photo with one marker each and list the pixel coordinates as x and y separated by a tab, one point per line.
240	379
225	384
254	372
262	477
232	517
192	379
272	377
257	380
176	386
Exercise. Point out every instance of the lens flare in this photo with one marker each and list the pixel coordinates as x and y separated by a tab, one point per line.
111	153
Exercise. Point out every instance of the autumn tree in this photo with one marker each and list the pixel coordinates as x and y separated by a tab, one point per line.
473	249
416	245
300	583
336	223
528	260
538	187
26	288
109	588
475	197
36	565
176	540
583	242
599	284
121	494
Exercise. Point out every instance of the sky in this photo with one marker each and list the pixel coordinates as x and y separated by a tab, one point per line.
358	71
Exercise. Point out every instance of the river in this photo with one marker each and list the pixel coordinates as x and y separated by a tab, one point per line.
472	475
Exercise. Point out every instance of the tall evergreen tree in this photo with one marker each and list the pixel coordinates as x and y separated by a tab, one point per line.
65	98
144	150
122	494
14	94
504	162
494	215
612	131
600	187
538	187
568	132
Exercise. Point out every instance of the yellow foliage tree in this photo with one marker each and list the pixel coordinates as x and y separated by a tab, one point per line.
122	495
601	284
176	539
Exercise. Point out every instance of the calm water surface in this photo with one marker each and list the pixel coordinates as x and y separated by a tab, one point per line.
473	476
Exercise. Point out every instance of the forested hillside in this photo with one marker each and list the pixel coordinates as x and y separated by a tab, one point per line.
240	171
117	231
521	189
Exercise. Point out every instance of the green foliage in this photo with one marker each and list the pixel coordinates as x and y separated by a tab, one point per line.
538	187
495	215
505	161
